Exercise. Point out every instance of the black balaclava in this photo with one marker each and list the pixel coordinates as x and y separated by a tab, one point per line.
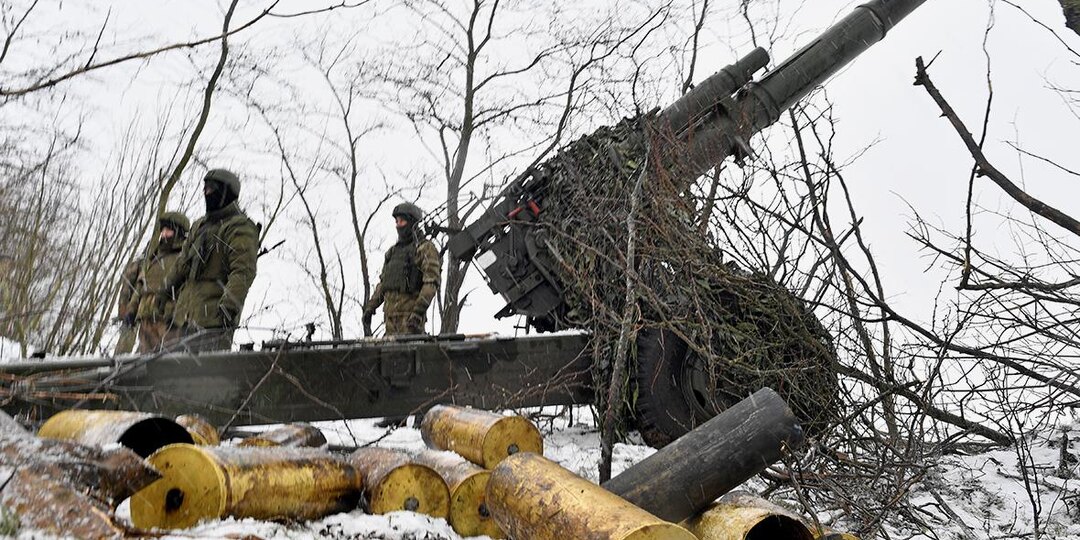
219	196
407	233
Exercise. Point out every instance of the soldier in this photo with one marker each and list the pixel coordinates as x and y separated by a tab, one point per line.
125	307
215	268
409	279
154	317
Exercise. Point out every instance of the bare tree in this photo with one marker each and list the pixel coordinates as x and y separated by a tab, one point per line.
467	97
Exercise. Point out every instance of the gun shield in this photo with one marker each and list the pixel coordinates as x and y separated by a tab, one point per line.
482	437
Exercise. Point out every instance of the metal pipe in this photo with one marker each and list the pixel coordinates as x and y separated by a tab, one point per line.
394	482
208	482
762	103
469	515
482	437
684	477
533	498
709	93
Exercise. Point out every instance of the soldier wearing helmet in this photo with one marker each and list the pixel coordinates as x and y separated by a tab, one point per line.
409	279
153	315
215	269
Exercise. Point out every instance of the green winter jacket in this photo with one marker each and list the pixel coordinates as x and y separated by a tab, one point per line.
215	270
151	282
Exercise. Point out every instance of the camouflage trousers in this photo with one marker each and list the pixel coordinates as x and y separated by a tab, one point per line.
196	340
400	315
398	324
154	335
126	343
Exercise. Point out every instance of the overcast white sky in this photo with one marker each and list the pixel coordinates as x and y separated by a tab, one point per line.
917	159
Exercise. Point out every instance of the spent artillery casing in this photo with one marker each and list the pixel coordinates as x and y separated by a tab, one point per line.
202	431
144	433
686	476
210	482
393	481
533	498
741	516
482	437
469	514
297	435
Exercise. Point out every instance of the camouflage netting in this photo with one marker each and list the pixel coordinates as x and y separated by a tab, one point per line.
744	330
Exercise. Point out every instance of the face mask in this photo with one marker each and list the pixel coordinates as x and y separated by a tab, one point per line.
406	233
218	197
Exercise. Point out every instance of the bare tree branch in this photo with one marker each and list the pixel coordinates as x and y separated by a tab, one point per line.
1038	207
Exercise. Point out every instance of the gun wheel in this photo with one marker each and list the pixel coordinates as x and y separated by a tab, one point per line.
674	389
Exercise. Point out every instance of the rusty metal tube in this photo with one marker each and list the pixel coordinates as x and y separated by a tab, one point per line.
297	435
684	477
741	516
482	437
469	514
143	433
211	482
202	431
393	482
533	498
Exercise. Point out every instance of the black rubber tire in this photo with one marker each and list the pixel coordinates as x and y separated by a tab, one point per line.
664	409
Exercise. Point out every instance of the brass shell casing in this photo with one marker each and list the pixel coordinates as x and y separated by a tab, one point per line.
392	482
297	435
482	437
533	498
202	431
210	482
144	433
741	516
467	482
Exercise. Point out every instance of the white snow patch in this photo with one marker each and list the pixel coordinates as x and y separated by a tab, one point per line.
961	497
9	350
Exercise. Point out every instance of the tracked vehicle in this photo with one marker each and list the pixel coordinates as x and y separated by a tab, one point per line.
312	380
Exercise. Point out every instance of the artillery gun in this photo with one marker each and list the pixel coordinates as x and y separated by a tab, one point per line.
309	381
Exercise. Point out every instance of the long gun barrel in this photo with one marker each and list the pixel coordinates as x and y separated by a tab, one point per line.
710	123
761	103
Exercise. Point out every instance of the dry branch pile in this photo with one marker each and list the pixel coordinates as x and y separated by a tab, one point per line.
745	331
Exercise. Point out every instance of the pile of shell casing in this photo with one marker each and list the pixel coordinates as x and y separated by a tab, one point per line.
483	472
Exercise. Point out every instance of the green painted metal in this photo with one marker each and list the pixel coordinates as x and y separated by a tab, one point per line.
310	382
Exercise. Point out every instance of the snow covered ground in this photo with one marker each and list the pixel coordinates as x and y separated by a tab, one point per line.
980	496
9	350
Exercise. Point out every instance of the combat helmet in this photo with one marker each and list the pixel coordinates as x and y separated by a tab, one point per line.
226	177
176	221
409	211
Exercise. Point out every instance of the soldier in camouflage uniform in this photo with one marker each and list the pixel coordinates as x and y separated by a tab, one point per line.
215	268
154	316
409	279
125	308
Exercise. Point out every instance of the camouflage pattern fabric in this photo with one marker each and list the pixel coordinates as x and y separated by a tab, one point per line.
126	305
405	312
214	271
